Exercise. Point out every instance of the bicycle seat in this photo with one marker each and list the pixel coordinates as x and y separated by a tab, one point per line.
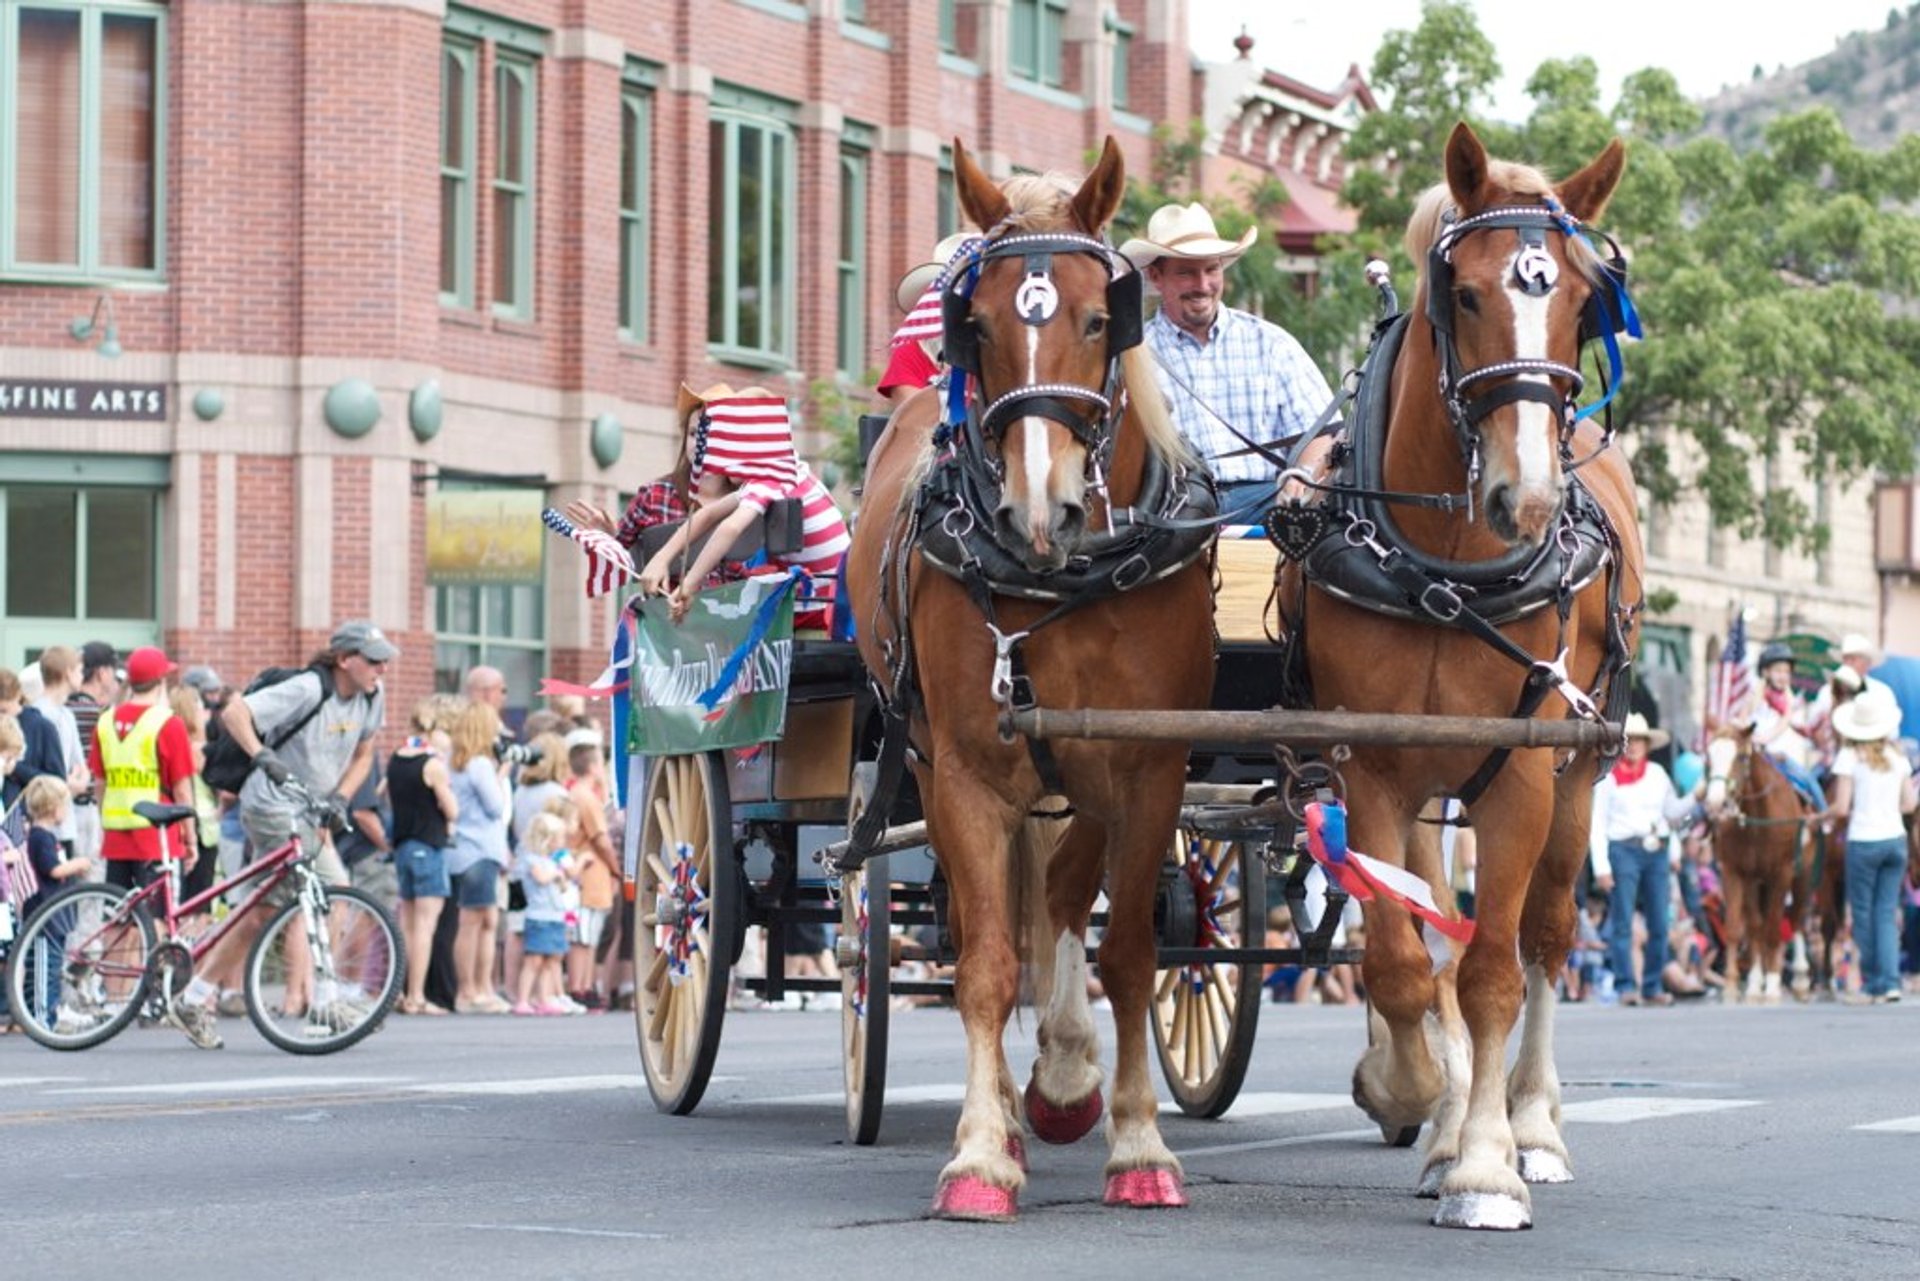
160	815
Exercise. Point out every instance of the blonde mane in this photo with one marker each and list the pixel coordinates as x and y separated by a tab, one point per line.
1432	211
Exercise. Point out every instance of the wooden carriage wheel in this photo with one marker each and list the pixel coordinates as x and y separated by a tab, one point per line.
865	954
1205	1014
686	915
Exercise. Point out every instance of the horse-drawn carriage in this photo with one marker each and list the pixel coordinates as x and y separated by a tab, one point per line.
1036	690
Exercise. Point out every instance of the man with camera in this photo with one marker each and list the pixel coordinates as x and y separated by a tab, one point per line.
321	723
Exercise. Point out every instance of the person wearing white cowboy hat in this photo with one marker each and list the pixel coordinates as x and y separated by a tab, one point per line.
1848	680
914	350
1635	811
1223	370
1874	790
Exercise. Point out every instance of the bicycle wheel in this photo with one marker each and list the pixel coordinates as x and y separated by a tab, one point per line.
77	973
321	991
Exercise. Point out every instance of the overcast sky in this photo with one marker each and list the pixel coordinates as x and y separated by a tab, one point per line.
1706	46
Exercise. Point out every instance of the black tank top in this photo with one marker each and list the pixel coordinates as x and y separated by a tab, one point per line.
416	814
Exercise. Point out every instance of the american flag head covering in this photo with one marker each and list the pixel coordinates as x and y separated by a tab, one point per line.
746	437
931	279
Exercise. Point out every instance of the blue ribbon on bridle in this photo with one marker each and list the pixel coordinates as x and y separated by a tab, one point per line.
955	415
1615	303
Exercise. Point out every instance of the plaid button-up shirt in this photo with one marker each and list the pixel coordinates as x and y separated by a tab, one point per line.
1253	374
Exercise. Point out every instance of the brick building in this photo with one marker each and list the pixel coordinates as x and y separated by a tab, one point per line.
282	285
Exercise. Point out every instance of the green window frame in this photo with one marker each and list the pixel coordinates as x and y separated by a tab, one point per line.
751	260
459	122
852	265
516	103
95	172
1122	63
501	625
854	11
1035	44
636	199
949	27
946	197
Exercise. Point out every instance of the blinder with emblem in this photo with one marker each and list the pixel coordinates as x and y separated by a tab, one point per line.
1603	313
1037	300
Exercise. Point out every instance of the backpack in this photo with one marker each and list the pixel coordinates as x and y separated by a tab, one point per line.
227	765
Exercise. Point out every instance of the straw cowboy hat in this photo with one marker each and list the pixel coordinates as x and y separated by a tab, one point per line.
1637	727
1854	645
1867	719
915	282
1184	231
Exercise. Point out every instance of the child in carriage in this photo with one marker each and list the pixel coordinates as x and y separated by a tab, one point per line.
741	461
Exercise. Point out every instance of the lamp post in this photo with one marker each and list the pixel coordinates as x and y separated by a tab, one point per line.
83	328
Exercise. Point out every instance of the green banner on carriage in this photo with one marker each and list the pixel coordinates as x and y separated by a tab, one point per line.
674	665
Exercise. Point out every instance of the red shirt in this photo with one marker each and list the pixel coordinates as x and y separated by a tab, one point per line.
142	844
908	365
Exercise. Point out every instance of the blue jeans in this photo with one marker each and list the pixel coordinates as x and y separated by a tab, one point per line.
1874	869
1640	880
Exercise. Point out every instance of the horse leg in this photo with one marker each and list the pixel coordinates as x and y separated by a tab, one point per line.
1483	1189
1772	911
1141	1170
971	826
1546	936
1063	1095
1733	897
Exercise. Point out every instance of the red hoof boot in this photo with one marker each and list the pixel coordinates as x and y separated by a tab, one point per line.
976	1201
1052	1123
1017	1150
1146	1189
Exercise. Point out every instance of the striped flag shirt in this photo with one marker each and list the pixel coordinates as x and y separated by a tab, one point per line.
608	563
824	537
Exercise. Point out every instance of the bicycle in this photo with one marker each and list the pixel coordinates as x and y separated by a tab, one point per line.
94	957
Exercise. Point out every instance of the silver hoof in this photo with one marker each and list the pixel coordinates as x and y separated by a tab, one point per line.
1540	1165
1485	1210
1431	1178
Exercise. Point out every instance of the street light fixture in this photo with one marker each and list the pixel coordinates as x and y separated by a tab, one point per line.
83	328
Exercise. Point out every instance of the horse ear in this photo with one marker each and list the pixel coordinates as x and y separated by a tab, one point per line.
1586	193
1099	196
1466	167
980	199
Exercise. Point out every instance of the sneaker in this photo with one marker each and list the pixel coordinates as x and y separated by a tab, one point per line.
195	1020
233	1005
1887	998
335	1017
73	1022
553	1008
525	1009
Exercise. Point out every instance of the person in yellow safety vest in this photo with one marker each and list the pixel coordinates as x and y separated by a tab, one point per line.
141	751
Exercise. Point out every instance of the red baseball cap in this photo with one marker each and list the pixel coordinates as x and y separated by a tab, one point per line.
148	664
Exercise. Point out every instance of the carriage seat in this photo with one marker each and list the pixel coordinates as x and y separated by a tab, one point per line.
779	533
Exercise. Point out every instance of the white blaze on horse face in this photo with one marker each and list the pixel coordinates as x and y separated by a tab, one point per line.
1720	754
1037	459
1537	430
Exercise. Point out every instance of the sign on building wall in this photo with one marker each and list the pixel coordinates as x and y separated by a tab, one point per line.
484	536
62	398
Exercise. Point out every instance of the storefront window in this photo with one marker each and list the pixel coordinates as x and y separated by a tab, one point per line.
120	524
42	553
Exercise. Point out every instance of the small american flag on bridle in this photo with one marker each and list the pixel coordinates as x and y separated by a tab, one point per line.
608	564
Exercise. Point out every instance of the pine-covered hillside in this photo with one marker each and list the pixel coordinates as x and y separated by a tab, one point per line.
1871	78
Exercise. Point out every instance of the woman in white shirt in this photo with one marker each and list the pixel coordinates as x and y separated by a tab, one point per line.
1634	810
1873	790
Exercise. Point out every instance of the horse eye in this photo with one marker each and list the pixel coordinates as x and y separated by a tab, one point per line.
1467	300
1096	325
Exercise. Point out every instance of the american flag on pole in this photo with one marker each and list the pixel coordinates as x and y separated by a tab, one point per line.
608	563
1732	680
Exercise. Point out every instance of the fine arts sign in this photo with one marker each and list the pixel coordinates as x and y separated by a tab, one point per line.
59	398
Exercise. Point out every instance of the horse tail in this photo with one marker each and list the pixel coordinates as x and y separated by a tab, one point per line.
1033	844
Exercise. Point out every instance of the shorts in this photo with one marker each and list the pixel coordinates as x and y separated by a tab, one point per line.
588	924
421	871
546	938
479	885
264	837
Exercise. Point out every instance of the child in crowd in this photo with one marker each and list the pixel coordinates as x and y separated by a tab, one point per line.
1587	962
547	868
597	861
48	802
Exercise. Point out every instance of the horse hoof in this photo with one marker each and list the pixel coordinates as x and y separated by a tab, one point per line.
1017	1150
975	1201
1539	1165
1431	1178
1489	1211
1146	1189
1052	1123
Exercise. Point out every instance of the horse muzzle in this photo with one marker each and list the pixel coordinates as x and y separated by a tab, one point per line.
1045	549
1518	518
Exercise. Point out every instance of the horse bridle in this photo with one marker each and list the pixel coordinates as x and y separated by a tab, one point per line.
1739	777
1608	312
1088	414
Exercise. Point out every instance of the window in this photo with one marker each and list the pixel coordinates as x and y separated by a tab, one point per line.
513	170
499	624
1035	40
949	26
854	10
82	138
852	359
458	112
80	553
946	197
1122	51
750	256
636	168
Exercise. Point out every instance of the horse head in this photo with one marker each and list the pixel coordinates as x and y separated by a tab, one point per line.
1729	767
1514	288
1050	310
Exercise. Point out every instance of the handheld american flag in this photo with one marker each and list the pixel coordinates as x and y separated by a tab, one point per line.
1732	681
608	564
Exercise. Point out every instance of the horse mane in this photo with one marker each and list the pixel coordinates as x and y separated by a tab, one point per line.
1436	208
1042	202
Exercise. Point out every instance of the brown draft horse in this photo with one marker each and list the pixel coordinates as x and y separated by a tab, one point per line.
1492	1135
1764	844
1148	647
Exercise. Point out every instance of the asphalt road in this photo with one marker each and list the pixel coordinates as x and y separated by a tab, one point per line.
1708	1142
